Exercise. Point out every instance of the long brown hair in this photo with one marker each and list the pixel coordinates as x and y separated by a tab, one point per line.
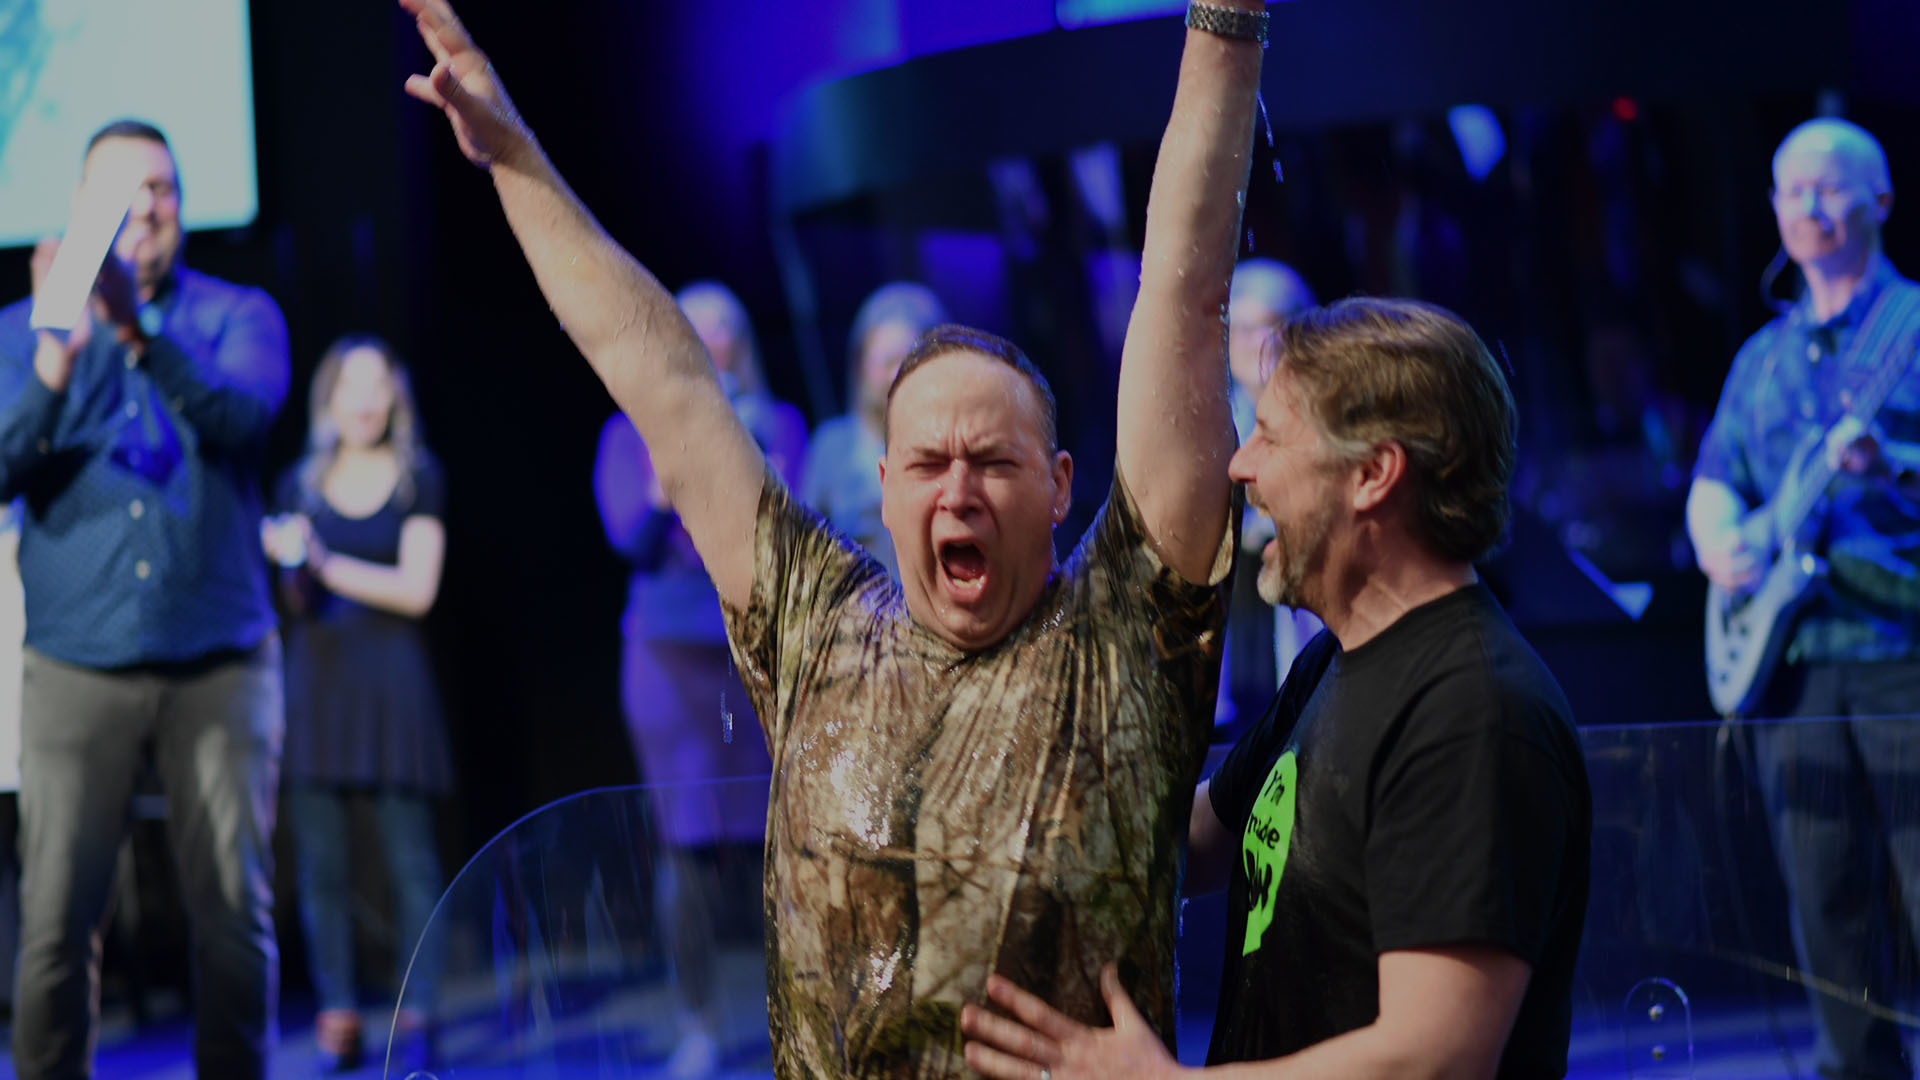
403	435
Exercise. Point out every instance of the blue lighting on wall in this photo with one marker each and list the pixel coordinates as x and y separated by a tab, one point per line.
1072	13
1477	132
1075	13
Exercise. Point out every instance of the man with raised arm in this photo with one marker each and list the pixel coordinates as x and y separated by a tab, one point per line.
986	766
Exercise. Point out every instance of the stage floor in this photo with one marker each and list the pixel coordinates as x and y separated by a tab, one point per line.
1733	1046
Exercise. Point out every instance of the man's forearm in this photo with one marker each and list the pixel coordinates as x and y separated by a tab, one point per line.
1903	468
633	334
224	411
27	425
1175	426
1369	1053
1200	175
619	316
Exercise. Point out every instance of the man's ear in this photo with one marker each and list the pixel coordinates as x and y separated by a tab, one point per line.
1062	485
885	523
1378	474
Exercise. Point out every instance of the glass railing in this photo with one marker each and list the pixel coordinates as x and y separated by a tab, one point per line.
602	937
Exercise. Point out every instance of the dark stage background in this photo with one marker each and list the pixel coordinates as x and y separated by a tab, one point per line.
1613	253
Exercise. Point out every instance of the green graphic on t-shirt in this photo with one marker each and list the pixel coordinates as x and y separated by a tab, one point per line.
1263	847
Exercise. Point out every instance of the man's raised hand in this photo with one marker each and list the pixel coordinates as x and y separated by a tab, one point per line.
463	86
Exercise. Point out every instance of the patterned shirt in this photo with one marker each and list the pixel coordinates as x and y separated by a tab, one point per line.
940	815
1795	379
141	543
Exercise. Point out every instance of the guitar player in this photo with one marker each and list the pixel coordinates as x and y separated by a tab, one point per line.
1843	797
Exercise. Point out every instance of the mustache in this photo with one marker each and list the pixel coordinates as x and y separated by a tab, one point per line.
1254	500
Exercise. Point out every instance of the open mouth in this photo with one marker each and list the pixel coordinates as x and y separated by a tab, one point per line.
964	566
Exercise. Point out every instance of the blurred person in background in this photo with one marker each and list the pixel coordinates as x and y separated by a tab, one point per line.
689	715
360	534
138	443
1261	641
13	626
841	477
1840	791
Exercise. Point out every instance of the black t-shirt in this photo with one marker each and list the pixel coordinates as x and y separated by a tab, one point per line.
1426	789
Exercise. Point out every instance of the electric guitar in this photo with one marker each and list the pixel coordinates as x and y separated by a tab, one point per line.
1748	629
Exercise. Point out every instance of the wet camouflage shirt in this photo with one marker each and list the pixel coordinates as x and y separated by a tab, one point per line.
938	815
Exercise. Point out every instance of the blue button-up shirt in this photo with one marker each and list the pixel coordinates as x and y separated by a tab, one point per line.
1798	377
141	541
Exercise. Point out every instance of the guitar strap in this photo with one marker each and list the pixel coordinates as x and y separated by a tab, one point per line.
1889	330
1890	333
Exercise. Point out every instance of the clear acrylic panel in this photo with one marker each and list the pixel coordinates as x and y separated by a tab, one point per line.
1689	967
594	938
605	935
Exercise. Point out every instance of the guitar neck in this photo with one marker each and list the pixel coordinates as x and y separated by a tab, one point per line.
1818	472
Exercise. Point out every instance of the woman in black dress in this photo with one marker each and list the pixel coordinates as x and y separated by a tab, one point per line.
361	537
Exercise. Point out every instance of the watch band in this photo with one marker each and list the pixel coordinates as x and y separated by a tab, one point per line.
1229	22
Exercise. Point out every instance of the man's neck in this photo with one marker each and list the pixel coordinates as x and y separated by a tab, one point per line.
1380	595
1830	288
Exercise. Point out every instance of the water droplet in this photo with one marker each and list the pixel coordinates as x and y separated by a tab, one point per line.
1266	122
726	714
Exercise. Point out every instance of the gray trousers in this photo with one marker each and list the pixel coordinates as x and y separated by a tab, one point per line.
215	730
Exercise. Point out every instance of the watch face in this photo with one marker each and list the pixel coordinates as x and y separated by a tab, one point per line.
151	319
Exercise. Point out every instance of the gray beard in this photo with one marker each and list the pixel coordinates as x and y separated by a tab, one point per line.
1277	585
1298	550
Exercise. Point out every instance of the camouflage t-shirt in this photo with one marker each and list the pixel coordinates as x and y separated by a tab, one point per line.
938	815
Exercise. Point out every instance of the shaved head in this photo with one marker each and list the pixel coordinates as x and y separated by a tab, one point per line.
1846	143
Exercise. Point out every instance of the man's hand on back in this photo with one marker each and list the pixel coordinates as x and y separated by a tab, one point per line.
1041	1041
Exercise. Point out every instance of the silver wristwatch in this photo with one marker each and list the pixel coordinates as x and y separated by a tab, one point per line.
1229	22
